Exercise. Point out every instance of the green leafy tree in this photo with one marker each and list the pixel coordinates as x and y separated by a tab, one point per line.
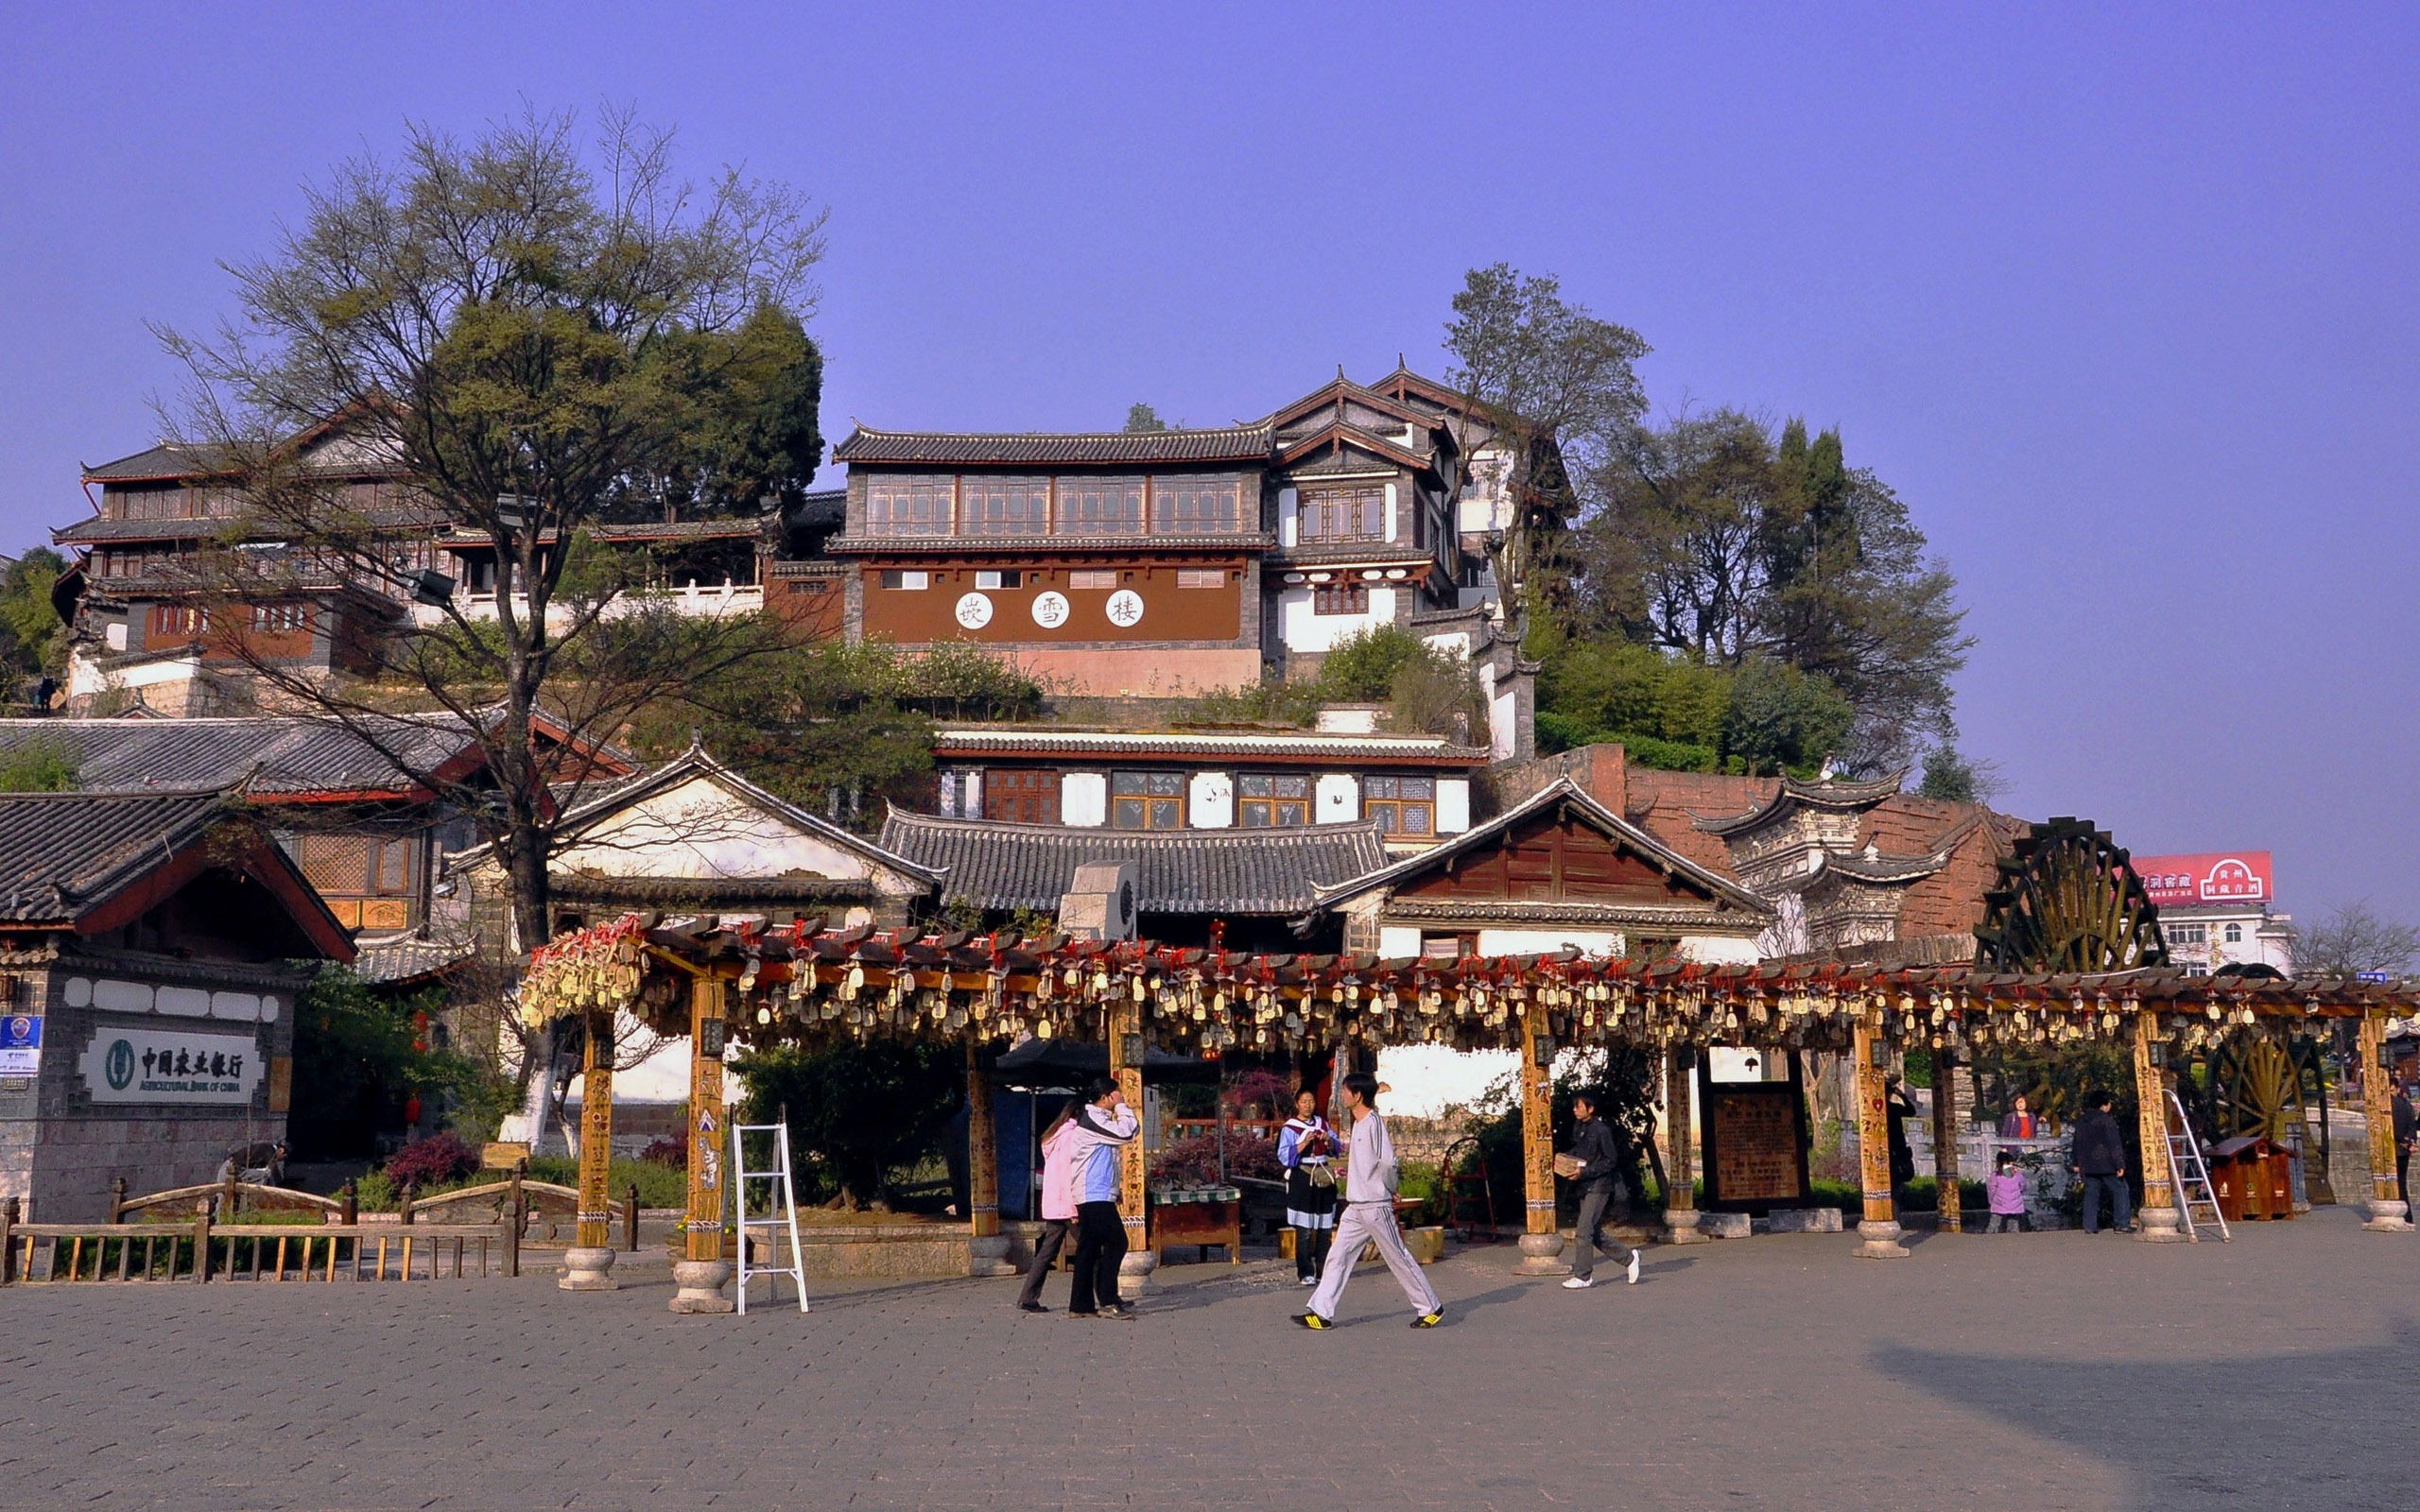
1779	716
1361	667
33	640
858	1113
1951	774
38	766
1141	419
540	336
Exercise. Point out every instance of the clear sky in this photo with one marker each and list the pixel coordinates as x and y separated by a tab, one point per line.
2122	299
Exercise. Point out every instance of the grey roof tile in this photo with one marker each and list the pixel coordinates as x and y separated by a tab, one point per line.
1237	443
61	852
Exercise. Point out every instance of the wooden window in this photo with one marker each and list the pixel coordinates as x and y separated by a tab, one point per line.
1343	514
911	579
1340	598
1448	947
1147	801
909	506
1021	795
175	621
1092	579
1272	800
1011	578
1100	506
1197	505
1201	578
360	866
1401	805
1004	507
280	619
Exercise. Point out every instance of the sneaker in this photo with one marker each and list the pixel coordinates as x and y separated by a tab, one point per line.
1578	1284
1631	1271
1309	1280
1123	1314
1312	1321
1429	1320
1031	1307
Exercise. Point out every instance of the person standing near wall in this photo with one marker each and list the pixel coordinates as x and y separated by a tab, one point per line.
1303	1147
1370	1175
1103	1128
1058	1203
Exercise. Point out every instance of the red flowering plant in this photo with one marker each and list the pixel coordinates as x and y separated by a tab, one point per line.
432	1161
1194	1162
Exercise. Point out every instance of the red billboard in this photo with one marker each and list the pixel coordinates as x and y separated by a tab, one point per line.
2212	877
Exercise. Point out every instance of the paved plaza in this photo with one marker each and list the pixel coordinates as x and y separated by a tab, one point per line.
2042	1371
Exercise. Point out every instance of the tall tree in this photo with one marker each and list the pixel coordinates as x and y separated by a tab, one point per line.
540	336
2355	938
1142	418
33	640
1556	386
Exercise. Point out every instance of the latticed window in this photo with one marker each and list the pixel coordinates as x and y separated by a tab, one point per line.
1272	800
1343	514
1340	598
1100	506
1401	805
358	866
1147	801
1004	507
909	506
1023	797
1197	505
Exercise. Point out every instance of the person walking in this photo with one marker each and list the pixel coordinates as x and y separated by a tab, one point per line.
2406	1127
1593	1146
2005	1187
1370	1175
1058	1203
1103	1128
1303	1147
1897	1106
2100	1158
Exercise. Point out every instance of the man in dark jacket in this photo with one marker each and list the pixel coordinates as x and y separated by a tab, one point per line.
2406	1127
1593	1146
2101	1160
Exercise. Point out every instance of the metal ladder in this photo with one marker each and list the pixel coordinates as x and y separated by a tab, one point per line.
781	1205
2190	1175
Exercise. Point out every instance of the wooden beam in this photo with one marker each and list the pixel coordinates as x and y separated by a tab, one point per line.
2390	1214
708	1138
1878	1235
1126	1053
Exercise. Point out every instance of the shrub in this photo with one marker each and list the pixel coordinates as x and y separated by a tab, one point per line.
857	1113
660	1185
1361	667
673	1151
1259	1087
1194	1163
427	1163
374	1193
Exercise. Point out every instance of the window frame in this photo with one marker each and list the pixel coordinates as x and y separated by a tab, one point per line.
1343	596
1158	798
1272	806
1355	513
1389	799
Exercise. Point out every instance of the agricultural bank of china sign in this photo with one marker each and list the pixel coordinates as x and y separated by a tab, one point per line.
150	1066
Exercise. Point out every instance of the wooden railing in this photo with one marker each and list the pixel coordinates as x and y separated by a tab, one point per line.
203	1249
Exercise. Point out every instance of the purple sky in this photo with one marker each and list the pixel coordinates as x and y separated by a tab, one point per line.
2122	302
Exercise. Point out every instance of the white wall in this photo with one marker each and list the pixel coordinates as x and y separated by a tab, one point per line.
1398	939
1717	949
1213	805
1538	941
1302	630
1335	798
1083	800
1453	804
699	830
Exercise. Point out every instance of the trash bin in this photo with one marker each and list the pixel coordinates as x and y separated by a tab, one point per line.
2253	1178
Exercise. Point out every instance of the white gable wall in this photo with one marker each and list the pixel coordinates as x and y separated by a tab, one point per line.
698	829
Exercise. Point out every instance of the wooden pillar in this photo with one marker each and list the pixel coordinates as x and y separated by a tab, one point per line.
1944	1142
2160	1220
987	1252
1878	1235
1541	1244
709	1142
2390	1212
588	1264
1680	1136
1126	1053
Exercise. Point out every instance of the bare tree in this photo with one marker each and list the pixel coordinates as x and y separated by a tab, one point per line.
532	339
2355	938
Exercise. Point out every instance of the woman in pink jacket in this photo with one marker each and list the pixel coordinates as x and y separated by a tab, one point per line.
1058	1203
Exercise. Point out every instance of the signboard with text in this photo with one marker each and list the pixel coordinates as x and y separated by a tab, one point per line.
2208	877
151	1066
1755	1136
20	1044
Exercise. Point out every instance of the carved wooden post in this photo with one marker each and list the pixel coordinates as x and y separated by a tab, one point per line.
1681	1170
2159	1223
986	1250
588	1264
1944	1142
2390	1212
1878	1235
117	1199
701	1271
1541	1244
1126	1053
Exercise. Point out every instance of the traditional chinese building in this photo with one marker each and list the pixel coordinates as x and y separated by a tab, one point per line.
147	978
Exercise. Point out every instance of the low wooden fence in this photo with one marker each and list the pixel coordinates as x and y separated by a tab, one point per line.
204	1250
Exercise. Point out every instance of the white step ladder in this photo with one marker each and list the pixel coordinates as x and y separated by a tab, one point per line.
781	1211
2190	1175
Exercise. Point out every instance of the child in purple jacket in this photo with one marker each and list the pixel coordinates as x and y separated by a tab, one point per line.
2006	1188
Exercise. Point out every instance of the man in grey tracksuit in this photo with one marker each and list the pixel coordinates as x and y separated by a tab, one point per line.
1369	1215
1593	1146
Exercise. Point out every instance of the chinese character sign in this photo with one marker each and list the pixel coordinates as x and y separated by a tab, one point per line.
148	1066
2211	877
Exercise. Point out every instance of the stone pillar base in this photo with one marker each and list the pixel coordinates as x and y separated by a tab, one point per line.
2389	1217
988	1255
700	1284
1134	1274
588	1270
2159	1225
1881	1240
1683	1223
1541	1255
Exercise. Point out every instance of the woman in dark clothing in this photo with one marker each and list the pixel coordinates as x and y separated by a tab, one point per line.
1303	1147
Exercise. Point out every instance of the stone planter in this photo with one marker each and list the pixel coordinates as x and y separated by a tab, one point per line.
700	1284
1427	1246
1879	1241
588	1270
989	1256
1134	1274
1541	1255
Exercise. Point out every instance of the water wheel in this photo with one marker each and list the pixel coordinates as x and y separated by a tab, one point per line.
2263	1086
2068	901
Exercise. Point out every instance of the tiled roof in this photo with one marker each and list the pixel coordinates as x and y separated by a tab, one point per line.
1423	751
62	852
1238	444
988	547
397	960
1267	873
99	528
275	754
167	460
1835	796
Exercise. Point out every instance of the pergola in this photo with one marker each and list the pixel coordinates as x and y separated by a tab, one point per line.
805	982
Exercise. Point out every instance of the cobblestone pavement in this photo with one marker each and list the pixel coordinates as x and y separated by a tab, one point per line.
2042	1371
